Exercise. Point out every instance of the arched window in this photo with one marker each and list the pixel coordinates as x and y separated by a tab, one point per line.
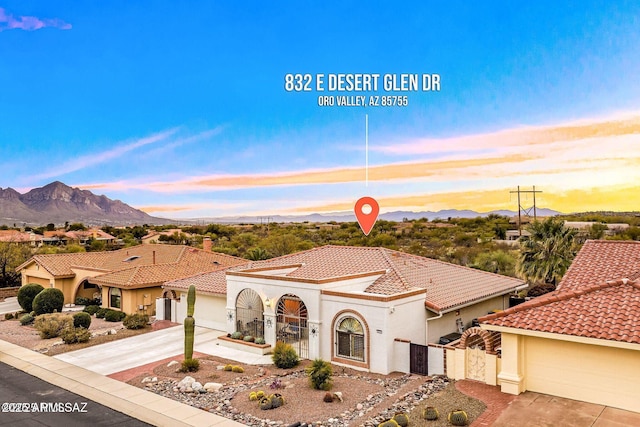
114	297
350	339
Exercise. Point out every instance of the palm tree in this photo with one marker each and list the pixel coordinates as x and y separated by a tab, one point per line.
546	255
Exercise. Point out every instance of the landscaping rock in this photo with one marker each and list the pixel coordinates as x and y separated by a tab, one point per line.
338	395
172	363
212	387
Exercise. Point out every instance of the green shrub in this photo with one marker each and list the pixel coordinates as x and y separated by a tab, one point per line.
248	338
135	321
114	316
48	301
237	369
260	340
8	316
26	319
237	335
101	312
81	320
284	356
26	294
190	365
52	325
319	373
91	309
82	301
75	335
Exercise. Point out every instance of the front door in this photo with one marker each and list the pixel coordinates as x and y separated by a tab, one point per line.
476	363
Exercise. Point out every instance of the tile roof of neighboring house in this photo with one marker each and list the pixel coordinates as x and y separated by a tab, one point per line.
610	311
447	285
18	236
602	260
136	266
208	283
88	234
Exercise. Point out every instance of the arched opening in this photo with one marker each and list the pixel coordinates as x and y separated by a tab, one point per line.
291	322
87	293
250	313
350	339
170	294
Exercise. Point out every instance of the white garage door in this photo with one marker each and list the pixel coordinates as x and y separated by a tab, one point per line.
596	374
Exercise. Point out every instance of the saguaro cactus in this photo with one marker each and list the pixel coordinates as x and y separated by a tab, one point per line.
189	324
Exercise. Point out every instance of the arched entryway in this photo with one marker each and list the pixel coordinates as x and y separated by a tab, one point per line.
476	356
250	313
87	293
291	322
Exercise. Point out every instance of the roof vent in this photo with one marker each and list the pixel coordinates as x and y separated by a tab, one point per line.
216	262
131	258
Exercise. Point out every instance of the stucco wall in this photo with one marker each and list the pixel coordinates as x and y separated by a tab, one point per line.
447	323
209	311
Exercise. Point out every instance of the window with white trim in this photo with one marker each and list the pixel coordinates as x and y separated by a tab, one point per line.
350	339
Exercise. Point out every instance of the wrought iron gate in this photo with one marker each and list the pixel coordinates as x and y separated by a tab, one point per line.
250	314
419	359
291	323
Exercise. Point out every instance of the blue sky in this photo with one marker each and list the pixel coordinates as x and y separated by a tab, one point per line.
180	109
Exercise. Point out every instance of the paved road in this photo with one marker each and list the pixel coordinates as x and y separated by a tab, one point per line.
9	305
19	387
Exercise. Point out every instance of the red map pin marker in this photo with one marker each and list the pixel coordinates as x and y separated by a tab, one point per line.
366	211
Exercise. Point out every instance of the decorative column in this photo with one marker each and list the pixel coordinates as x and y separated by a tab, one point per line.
512	380
313	329
270	328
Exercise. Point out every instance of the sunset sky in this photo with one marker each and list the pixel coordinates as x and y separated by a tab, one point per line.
180	109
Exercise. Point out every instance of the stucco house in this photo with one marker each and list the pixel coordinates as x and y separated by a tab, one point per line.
128	279
373	309
581	341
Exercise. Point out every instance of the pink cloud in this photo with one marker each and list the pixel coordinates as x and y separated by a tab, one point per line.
29	23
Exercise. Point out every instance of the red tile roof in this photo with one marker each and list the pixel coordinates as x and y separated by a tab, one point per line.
209	283
447	285
609	311
137	266
602	260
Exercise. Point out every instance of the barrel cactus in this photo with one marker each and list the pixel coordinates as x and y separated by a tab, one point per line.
265	403
237	369
401	419
276	400
430	413
458	418
189	324
253	396
260	394
388	423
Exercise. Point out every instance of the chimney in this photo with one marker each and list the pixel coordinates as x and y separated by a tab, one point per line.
206	244
154	257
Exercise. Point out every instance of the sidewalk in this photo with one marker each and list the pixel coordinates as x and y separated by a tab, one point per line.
140	404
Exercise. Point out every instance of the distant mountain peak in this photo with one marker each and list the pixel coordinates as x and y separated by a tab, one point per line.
58	203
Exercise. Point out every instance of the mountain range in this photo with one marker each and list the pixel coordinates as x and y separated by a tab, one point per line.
58	203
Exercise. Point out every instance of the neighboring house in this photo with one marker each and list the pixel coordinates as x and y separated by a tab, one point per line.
84	237
127	279
581	341
156	237
23	237
583	227
356	306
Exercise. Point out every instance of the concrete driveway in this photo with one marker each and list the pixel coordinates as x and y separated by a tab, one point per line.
10	305
127	353
540	410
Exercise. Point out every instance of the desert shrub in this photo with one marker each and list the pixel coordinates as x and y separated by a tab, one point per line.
135	321
52	325
26	319
82	301
101	312
75	335
276	384
284	356
190	365
237	335
237	369
319	373
91	309
26	294
260	340
48	301
114	316
81	320
8	316
248	338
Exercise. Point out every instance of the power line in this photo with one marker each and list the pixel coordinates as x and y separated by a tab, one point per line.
526	211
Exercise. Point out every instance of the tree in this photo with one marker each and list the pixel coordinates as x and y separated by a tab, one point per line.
257	254
498	261
77	226
12	254
546	255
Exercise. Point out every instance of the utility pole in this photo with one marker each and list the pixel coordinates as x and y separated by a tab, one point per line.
526	211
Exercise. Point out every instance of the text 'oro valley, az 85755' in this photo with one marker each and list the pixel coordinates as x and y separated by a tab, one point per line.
362	89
